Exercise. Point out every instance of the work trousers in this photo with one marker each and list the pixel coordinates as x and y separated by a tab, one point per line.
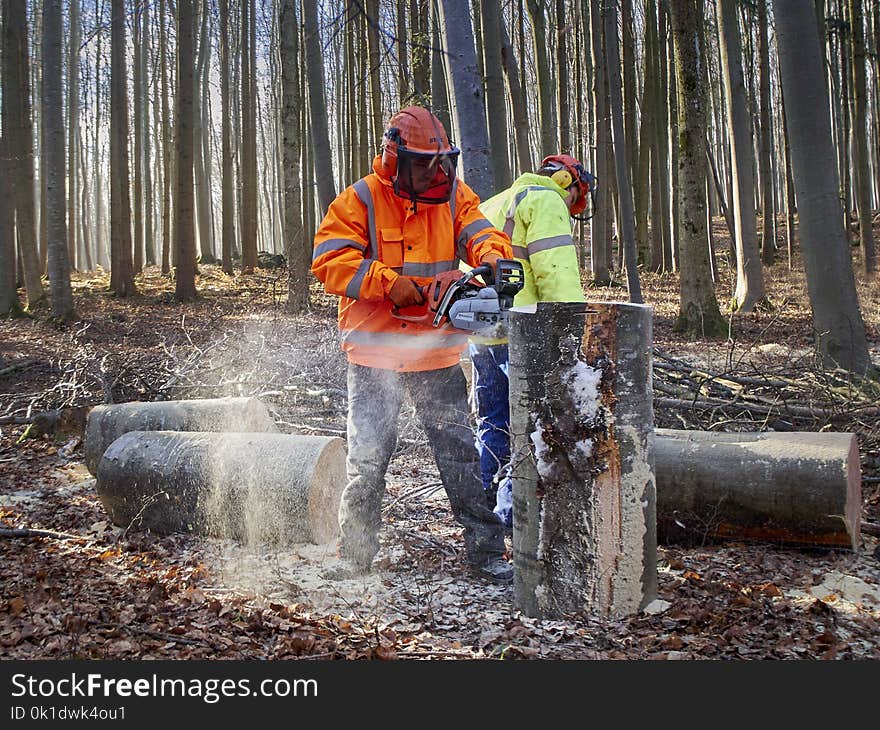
440	399
491	392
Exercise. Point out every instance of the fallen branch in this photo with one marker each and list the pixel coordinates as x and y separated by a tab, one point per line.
9	369
33	532
871	528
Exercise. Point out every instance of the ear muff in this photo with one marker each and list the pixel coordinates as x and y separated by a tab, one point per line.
562	178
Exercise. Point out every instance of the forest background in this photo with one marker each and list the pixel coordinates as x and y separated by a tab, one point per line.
164	164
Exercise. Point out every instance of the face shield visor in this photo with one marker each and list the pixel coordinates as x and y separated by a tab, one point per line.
425	177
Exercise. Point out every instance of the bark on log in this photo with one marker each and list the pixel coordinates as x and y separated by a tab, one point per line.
107	423
793	487
254	487
584	533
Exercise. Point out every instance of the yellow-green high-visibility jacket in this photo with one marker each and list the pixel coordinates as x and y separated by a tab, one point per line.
533	213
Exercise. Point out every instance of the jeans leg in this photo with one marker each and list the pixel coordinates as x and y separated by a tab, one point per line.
374	398
491	389
440	398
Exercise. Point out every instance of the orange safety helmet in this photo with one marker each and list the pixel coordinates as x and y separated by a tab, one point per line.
566	171
419	157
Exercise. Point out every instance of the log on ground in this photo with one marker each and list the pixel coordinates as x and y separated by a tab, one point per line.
258	488
800	488
106	423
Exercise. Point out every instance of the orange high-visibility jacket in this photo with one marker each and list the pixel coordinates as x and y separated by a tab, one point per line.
368	238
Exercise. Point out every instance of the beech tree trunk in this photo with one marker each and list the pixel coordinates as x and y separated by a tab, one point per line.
584	535
121	271
837	319
53	154
749	276
467	88
699	313
802	488
273	489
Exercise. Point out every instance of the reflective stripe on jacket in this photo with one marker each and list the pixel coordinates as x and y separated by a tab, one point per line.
533	213
368	238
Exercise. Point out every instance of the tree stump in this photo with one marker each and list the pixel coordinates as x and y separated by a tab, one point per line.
584	531
260	488
788	487
106	423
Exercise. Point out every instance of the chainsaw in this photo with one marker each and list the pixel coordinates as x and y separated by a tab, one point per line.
458	300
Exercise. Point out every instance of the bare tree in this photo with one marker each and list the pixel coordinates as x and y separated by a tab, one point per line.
699	313
19	131
184	198
227	191
624	184
320	137
9	304
53	151
121	274
294	235
862	176
837	319
470	110
749	276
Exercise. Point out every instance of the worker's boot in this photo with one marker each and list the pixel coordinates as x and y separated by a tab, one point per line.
496	569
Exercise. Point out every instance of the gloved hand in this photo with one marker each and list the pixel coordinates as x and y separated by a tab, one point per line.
404	293
492	260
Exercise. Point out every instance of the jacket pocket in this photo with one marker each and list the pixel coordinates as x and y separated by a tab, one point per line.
391	247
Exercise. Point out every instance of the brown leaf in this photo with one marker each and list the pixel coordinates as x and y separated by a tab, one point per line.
16	605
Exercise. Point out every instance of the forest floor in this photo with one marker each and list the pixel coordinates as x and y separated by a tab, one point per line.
108	592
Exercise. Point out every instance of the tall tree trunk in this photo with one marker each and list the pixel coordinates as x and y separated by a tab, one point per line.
547	122
470	110
137	84
320	138
9	304
166	141
662	143
837	320
53	151
517	103
860	138
294	237
630	88
439	88
493	41
371	8
563	91
749	277
600	233
201	128
149	231
699	313
184	234
642	182
768	237
17	124
624	184
228	200
73	133
121	274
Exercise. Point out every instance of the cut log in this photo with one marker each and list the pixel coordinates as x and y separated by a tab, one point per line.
800	488
259	488
584	532
107	423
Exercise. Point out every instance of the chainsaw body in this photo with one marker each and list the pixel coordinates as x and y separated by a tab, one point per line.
460	301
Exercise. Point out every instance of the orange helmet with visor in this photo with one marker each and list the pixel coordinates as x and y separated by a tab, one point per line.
419	157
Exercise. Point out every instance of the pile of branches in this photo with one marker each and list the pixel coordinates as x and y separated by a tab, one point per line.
790	396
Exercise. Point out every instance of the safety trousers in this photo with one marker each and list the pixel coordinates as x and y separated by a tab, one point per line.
490	394
440	398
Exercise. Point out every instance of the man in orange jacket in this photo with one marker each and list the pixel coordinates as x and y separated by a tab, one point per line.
382	239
